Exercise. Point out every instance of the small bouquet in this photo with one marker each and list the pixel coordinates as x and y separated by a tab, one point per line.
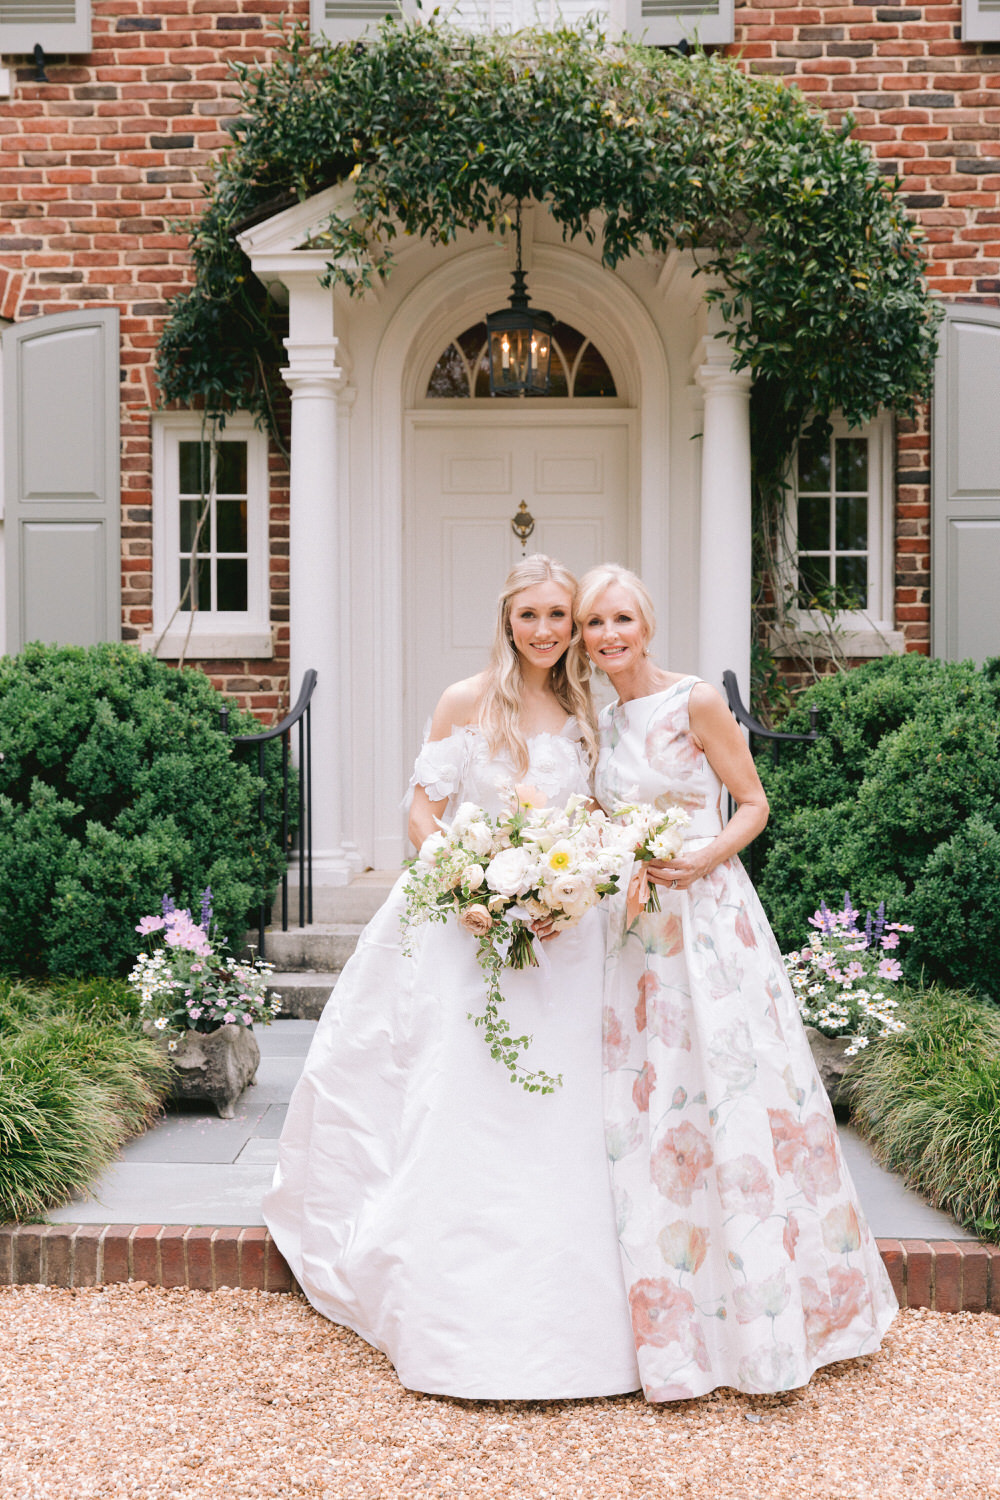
839	978
187	984
497	875
656	833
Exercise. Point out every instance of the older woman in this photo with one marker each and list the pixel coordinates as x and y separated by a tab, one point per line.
747	1256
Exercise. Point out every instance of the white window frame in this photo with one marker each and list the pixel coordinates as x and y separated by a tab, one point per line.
218	634
68	30
352	18
858	633
981	20
664	23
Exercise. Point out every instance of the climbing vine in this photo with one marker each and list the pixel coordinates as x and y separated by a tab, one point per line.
815	262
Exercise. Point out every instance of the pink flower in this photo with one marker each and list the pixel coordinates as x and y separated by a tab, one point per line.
679	1163
648	986
745	1187
643	1087
744	930
230	1018
889	968
616	1046
664	1314
683	1245
855	970
807	1152
841	1230
826	1315
890	940
789	1236
150	924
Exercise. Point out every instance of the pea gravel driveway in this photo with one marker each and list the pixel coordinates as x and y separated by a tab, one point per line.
151	1394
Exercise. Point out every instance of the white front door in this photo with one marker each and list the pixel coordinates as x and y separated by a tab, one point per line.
467	479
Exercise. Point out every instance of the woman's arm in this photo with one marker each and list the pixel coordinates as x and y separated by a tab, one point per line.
456	708
717	732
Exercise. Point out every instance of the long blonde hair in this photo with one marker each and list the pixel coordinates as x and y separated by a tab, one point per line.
500	703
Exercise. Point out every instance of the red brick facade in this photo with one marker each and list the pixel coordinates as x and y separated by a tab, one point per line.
99	165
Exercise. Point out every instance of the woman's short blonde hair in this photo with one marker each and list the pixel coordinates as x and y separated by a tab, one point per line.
596	580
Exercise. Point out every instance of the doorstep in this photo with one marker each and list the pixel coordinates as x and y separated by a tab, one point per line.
946	1275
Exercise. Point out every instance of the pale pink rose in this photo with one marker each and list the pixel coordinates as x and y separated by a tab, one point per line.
477	920
683	1245
745	1186
790	1235
679	1162
841	1230
666	1021
648	986
616	1046
643	1087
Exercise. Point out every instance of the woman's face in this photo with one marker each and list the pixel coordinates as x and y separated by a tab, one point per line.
613	632
541	623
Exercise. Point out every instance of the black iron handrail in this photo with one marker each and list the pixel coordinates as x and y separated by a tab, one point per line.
758	731
300	715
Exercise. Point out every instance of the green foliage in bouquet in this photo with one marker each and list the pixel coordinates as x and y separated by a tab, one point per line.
898	800
117	785
77	1078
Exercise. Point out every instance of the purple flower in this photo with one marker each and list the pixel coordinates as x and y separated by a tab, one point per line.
167	905
206	909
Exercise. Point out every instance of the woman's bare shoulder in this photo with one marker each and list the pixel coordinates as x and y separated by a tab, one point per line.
458	706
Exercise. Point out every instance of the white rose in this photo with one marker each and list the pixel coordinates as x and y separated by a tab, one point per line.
666	844
466	814
473	877
507	872
573	893
478	838
431	847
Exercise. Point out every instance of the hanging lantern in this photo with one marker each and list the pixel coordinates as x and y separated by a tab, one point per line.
520	340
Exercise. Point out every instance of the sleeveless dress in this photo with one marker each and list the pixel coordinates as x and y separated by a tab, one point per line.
747	1256
460	1225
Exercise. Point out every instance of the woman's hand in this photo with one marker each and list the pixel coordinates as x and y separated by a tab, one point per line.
681	872
544	928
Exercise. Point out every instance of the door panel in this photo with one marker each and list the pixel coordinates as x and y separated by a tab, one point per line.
467	480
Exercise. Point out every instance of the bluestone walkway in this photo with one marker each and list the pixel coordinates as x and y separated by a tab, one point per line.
193	1168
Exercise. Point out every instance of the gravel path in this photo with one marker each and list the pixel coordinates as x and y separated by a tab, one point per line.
150	1394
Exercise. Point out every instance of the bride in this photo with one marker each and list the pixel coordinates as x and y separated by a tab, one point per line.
462	1226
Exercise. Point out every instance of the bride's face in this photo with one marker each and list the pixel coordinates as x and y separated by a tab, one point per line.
541	623
613	633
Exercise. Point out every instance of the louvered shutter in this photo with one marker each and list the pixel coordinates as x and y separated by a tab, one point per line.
981	20
346	20
59	25
965	437
62	527
664	23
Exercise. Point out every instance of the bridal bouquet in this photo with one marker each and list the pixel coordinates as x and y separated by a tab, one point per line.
497	875
186	984
654	833
840	977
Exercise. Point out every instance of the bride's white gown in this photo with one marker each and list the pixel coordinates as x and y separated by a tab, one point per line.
464	1227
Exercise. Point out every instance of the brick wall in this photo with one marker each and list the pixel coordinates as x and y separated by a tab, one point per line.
98	166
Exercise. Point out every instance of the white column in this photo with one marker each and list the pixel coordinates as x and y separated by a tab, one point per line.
725	571
318	545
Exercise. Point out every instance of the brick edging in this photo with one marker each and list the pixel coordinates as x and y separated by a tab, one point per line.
946	1275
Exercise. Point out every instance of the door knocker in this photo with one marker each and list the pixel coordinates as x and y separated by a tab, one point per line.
522	525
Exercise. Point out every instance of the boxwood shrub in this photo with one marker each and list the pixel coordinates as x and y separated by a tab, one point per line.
899	800
117	786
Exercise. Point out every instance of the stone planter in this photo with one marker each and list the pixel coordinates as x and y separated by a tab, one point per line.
828	1055
216	1065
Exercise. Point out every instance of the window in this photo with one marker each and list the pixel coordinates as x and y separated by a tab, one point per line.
59	25
981	20
577	369
840	540
660	23
209	539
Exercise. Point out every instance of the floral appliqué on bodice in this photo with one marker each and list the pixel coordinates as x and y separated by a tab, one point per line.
461	768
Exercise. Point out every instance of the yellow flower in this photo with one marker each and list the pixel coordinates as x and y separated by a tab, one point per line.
559	858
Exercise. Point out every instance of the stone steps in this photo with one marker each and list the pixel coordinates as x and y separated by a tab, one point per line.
308	960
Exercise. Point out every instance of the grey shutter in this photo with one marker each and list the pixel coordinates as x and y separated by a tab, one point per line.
59	25
664	23
981	20
965	494
63	508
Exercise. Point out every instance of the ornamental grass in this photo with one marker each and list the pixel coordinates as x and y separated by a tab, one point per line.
77	1079
928	1101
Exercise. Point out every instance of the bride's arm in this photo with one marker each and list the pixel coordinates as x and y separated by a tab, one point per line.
456	708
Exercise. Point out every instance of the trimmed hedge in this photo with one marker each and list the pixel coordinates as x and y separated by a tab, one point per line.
117	786
897	801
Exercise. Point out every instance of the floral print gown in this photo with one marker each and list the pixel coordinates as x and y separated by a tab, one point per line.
746	1254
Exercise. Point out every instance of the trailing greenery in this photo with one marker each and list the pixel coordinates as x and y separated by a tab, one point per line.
77	1078
117	786
897	801
442	130
928	1099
